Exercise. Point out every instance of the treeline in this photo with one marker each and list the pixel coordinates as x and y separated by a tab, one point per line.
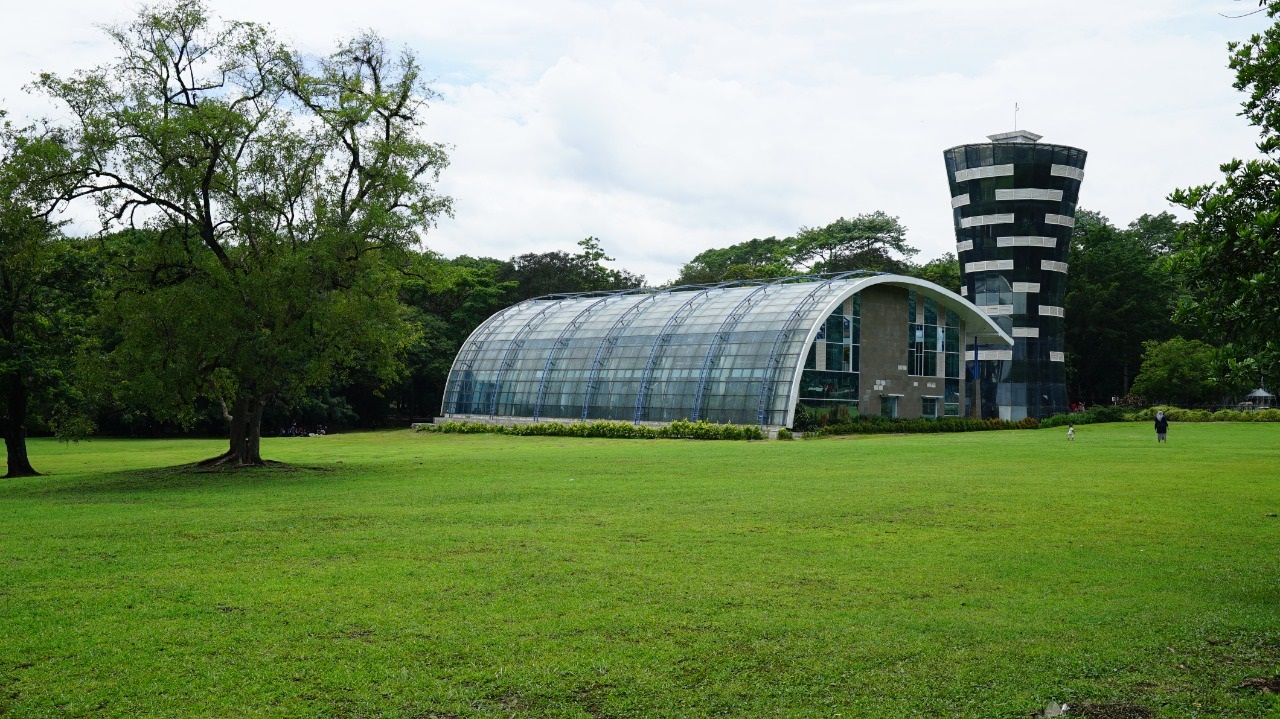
872	241
260	261
441	301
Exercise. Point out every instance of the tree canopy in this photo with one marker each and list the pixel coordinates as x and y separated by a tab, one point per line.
43	290
277	195
1227	255
1178	371
870	241
1119	295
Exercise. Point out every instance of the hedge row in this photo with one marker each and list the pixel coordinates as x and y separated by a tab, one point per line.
1173	414
861	424
680	429
874	424
1097	415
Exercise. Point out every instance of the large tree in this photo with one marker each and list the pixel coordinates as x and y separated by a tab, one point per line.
943	271
870	241
1119	295
754	259
1227	256
37	291
277	194
535	274
1178	371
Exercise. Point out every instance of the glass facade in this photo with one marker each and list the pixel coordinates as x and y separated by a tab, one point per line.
933	349
829	383
1014	202
724	353
743	353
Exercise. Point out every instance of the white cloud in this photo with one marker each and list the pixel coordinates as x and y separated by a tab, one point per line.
666	128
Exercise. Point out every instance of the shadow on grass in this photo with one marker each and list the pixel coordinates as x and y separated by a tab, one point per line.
179	477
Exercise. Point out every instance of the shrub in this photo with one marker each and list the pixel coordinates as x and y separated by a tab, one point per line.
1176	414
875	424
785	434
805	419
1263	415
1096	415
1103	413
680	429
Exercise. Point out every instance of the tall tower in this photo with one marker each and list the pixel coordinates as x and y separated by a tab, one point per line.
1013	202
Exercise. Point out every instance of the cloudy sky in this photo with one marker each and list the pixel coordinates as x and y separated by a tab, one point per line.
666	128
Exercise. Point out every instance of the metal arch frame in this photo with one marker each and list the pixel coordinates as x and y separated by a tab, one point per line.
472	345
968	312
721	336
517	341
770	378
646	378
609	340
563	341
471	348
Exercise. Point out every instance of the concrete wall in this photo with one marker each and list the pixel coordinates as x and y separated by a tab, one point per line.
884	357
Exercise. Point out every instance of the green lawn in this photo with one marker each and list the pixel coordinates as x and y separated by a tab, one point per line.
421	575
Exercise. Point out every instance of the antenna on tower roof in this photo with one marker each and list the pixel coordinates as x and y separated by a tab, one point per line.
1015	115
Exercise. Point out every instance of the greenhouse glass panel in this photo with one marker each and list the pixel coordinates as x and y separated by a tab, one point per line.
727	353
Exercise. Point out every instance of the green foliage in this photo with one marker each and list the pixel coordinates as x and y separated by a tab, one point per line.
1119	294
871	241
282	194
1227	254
1095	415
806	419
750	260
1177	414
46	282
785	434
679	429
943	271
875	424
1178	371
536	274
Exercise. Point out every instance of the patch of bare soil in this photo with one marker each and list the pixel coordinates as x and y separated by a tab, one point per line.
212	466
1264	685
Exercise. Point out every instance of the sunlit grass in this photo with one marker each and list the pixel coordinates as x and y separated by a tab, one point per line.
417	575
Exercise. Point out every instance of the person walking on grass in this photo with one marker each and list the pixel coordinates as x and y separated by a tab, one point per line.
1071	433
1162	427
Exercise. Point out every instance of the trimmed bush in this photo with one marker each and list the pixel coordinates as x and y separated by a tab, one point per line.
1177	414
874	424
1096	415
680	429
785	434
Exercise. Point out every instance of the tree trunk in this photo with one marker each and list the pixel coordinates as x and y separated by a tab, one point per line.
245	421
15	429
253	442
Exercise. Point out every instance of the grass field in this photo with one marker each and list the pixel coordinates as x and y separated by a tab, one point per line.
416	575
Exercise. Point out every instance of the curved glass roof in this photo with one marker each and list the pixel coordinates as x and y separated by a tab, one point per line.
731	352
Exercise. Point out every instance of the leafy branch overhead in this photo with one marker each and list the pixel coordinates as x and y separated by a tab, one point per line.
1229	256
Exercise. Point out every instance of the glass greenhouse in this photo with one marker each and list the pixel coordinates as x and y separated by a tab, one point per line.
740	352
